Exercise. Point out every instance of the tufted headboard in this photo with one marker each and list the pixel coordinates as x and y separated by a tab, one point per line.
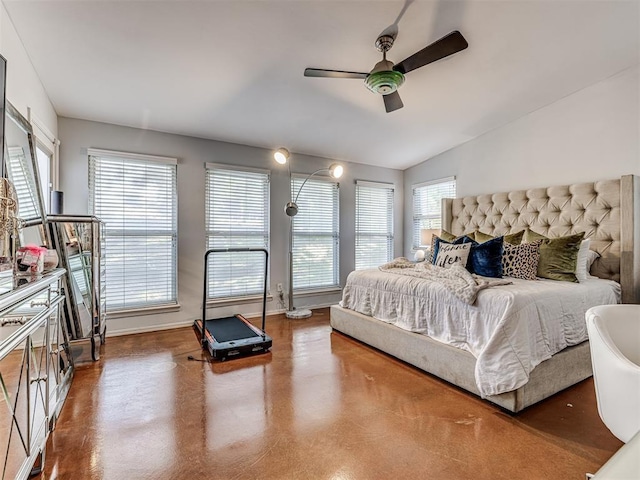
607	211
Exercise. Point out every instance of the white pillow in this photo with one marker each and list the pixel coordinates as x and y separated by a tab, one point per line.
592	256
450	253
582	264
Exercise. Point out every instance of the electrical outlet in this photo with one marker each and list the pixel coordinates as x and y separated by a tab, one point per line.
279	287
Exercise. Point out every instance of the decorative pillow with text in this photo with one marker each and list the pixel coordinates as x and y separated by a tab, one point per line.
450	253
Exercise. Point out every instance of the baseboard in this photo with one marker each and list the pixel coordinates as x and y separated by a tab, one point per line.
148	328
186	323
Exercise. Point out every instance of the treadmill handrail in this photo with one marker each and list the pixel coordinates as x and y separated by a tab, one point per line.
206	275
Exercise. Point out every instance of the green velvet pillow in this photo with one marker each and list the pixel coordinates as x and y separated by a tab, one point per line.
512	238
446	236
559	256
480	237
471	235
531	236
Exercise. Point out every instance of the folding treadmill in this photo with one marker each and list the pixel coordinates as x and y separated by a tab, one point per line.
234	336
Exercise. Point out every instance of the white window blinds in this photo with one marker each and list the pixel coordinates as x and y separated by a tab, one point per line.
20	173
237	216
374	224
136	197
315	233
427	205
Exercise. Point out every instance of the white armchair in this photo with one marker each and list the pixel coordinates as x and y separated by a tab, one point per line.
614	336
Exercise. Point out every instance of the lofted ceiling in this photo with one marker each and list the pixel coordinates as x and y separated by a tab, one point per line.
233	70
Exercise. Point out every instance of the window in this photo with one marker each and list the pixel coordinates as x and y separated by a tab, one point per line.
374	224
44	158
315	233
427	205
237	216
136	197
20	171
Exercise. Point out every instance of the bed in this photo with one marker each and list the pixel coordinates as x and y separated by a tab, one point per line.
608	212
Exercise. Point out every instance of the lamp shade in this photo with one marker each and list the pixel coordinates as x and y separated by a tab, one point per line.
426	236
281	155
336	170
291	209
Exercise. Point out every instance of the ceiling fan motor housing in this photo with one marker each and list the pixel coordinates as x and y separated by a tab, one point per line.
383	79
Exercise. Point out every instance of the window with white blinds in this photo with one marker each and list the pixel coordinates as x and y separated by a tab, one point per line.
237	216
20	171
374	224
427	205
136	196
315	233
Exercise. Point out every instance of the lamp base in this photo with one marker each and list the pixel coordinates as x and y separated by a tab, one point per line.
300	313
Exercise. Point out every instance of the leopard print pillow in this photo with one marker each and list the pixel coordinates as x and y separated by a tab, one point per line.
521	261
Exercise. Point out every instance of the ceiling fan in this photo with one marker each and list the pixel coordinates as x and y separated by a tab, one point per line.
385	78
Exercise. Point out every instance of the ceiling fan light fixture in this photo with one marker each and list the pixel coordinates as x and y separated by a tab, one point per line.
384	82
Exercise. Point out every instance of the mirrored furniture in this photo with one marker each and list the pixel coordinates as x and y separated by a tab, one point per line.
78	241
36	369
21	166
21	169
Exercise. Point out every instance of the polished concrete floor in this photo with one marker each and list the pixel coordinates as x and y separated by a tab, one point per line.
319	406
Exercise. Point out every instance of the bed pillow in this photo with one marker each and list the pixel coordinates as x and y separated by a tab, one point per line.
521	261
592	256
450	237
486	258
582	263
446	236
512	238
437	241
558	258
531	236
450	253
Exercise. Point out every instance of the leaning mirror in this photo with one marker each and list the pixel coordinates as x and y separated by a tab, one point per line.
78	241
21	169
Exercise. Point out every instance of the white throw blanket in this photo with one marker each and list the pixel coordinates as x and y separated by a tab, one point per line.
456	279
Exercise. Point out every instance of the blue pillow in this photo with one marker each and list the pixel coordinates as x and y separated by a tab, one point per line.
457	241
486	258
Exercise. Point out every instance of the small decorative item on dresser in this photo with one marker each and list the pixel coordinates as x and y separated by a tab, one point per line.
30	260
9	223
50	259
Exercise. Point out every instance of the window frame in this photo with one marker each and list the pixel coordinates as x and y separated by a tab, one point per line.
210	167
296	182
171	303
434	217
388	190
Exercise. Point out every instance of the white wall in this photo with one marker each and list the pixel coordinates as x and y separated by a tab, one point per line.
192	153
24	88
590	135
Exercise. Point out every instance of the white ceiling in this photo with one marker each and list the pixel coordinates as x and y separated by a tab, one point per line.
233	70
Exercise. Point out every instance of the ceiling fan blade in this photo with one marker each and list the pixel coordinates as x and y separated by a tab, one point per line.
392	102
320	72
447	45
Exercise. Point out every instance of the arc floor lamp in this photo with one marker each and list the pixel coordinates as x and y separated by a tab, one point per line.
336	170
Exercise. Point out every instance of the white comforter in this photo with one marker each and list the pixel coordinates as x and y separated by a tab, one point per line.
510	329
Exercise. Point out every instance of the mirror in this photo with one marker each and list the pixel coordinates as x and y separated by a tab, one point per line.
3	83
22	170
77	239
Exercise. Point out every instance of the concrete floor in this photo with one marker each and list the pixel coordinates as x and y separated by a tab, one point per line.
319	406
